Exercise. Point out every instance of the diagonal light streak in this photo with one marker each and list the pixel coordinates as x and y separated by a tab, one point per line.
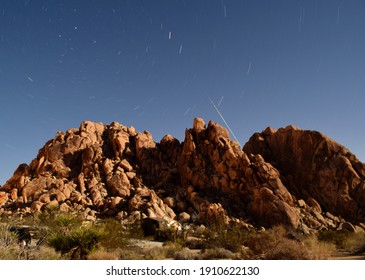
219	113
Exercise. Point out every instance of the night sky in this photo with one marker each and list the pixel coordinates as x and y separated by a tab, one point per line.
156	64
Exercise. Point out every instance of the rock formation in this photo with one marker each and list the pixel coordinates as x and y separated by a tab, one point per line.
298	178
315	169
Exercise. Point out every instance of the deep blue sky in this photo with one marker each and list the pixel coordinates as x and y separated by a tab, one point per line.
155	64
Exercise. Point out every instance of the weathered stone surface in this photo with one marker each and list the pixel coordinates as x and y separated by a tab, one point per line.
198	125
210	160
346	226
36	206
119	185
315	168
64	207
184	217
170	201
126	165
3	198
314	204
285	176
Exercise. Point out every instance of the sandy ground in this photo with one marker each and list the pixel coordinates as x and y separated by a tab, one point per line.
146	244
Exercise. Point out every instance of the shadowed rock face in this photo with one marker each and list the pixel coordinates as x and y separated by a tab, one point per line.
314	168
289	176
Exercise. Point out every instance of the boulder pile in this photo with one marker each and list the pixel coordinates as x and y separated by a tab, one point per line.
298	178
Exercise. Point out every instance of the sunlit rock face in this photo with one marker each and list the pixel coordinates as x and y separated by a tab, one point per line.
298	178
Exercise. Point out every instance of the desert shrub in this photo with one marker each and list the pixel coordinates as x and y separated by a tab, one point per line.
7	238
130	254
172	248
334	236
66	220
68	235
230	237
65	235
55	221
77	243
44	253
185	254
274	244
11	250
262	242
318	250
103	254
217	254
167	251
344	240
157	253
9	247
287	250
116	235
354	243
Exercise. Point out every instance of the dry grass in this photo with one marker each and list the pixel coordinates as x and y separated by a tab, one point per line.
186	254
218	241
103	254
355	243
277	244
346	241
130	254
319	250
217	254
9	253
10	249
230	237
273	245
44	253
168	251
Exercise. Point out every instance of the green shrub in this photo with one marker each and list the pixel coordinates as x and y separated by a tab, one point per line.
318	250
344	240
231	237
348	241
334	236
77	243
355	243
116	234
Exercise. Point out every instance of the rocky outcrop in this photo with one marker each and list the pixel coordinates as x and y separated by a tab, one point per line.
221	180
293	177
315	169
